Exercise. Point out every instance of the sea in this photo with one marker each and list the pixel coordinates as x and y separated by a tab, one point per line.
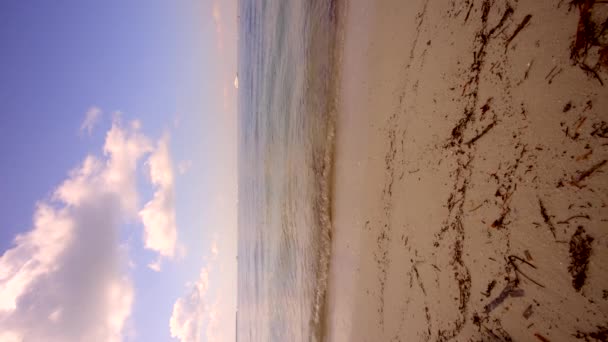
287	86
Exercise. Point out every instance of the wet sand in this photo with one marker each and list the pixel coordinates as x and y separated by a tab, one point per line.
471	173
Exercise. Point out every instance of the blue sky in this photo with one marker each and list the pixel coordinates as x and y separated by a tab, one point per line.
149	179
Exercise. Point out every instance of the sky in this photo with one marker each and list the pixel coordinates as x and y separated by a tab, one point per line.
118	170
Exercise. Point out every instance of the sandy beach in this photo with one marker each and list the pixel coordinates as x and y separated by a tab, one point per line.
471	169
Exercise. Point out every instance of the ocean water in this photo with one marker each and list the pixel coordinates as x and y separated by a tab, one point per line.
287	85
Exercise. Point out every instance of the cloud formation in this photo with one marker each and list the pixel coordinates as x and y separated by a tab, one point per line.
155	265
65	279
158	215
213	331
190	311
90	120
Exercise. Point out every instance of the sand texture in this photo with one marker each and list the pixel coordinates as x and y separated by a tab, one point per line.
471	172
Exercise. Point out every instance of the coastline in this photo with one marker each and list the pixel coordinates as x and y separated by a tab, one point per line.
325	202
455	128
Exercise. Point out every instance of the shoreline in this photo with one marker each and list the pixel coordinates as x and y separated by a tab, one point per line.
462	174
337	13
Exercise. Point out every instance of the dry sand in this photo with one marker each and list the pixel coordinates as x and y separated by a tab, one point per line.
471	176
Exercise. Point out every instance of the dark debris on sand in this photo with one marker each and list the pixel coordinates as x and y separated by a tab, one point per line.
589	43
601	334
580	252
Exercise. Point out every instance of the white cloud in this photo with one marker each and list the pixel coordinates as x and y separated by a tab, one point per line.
55	315
213	332
9	336
64	280
189	312
155	266
90	120
126	147
158	215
